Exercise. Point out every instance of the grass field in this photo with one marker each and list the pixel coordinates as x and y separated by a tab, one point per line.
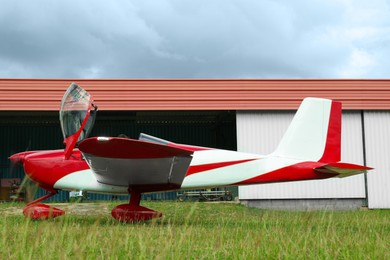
199	231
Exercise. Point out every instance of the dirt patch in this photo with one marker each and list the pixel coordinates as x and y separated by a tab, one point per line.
8	211
69	208
84	208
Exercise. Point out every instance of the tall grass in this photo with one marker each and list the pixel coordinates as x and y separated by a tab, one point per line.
201	231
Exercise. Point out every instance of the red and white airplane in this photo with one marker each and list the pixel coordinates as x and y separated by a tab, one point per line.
310	149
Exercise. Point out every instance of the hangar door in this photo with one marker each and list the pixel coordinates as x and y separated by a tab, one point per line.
377	133
41	131
260	132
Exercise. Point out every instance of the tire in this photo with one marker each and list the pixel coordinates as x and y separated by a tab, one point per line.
228	197
181	198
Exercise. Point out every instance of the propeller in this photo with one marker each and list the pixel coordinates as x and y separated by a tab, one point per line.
16	161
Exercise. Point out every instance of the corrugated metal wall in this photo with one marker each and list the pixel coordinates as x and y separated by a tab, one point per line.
260	132
377	139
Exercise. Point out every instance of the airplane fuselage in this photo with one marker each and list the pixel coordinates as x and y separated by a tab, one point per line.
208	168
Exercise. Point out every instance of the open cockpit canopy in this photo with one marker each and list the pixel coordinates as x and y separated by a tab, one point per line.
77	116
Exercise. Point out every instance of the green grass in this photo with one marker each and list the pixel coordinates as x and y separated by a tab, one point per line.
200	231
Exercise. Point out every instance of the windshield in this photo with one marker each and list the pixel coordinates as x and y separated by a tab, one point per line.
77	109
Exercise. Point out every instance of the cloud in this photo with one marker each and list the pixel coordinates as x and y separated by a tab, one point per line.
194	39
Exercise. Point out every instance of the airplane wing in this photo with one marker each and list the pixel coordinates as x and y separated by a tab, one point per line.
342	169
135	163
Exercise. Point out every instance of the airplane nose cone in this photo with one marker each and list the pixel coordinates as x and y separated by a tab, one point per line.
33	166
19	158
47	167
16	159
39	168
37	171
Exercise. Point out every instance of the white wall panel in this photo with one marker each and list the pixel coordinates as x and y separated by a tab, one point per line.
260	132
377	133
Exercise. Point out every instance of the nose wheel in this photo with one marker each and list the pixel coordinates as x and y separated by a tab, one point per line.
133	212
37	211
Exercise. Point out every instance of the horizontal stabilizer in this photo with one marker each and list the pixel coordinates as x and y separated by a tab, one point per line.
143	165
342	169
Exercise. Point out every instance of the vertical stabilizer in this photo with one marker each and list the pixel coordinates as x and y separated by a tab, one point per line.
315	132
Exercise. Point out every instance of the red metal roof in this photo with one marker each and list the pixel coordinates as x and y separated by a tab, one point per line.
138	95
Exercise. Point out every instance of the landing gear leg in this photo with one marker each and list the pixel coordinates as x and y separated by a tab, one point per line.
36	211
133	212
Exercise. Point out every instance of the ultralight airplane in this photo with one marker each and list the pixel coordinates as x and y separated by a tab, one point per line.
310	149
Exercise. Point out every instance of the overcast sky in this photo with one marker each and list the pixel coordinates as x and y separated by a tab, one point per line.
195	39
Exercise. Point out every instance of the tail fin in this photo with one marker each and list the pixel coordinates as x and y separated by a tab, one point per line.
315	132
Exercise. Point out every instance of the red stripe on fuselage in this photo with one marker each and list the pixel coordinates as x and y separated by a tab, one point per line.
211	166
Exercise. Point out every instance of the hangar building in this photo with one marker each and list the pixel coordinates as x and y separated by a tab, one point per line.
247	115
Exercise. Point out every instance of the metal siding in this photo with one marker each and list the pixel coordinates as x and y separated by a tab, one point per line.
149	196
133	95
260	132
63	196
95	197
170	195
377	134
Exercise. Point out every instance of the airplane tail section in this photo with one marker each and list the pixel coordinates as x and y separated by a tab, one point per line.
315	132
